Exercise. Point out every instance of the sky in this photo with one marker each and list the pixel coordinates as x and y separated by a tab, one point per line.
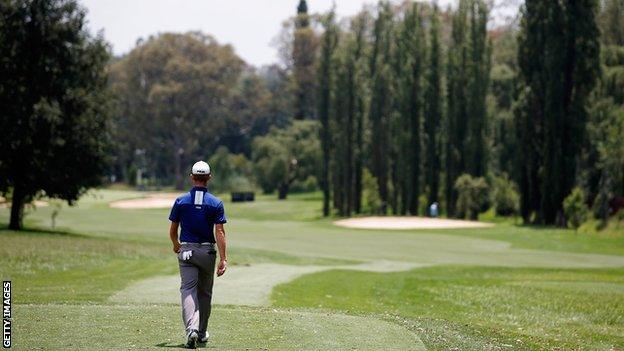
248	25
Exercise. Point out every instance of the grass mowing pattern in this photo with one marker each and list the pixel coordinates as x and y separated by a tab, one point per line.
99	251
102	327
527	308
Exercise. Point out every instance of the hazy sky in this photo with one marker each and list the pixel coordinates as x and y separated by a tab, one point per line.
249	25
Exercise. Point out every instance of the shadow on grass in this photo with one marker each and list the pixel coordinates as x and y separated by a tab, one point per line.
176	346
179	346
42	231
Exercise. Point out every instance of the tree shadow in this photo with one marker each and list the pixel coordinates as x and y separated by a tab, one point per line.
43	231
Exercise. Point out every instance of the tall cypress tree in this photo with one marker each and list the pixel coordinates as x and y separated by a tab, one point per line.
480	52
325	87
468	70
409	58
433	110
347	119
358	27
304	57
341	124
381	99
558	58
457	95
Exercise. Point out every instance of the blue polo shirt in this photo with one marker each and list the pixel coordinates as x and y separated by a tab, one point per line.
197	211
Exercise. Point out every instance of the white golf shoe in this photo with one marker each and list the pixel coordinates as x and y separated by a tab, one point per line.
203	337
191	342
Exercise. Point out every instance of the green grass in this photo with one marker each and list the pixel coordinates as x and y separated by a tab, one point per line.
544	238
48	267
504	288
527	308
115	327
61	267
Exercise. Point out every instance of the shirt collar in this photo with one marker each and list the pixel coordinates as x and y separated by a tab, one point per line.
202	188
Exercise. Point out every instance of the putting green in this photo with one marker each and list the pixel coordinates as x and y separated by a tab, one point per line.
120	327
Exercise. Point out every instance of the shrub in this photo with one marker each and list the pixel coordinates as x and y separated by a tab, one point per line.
575	209
371	202
472	196
230	172
304	186
506	198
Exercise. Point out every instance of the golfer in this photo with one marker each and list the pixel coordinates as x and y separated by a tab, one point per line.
201	217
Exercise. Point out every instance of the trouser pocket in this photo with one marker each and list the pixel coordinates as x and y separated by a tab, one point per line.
185	255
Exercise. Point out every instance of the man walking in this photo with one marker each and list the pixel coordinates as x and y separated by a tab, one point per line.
201	216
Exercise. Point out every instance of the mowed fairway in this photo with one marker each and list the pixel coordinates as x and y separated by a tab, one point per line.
105	278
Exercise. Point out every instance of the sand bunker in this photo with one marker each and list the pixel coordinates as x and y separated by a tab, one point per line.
4	203
156	200
408	223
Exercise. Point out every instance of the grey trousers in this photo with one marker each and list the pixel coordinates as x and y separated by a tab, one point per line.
196	279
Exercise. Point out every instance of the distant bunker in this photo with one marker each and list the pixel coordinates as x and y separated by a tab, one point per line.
158	200
400	223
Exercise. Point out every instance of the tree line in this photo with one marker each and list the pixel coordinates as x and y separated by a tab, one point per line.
429	106
388	111
396	100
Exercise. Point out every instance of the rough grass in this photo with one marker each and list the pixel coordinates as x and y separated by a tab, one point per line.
527	308
62	267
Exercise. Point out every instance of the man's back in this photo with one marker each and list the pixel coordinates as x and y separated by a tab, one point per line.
198	211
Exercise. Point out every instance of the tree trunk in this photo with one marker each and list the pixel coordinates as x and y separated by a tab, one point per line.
282	191
17	209
179	182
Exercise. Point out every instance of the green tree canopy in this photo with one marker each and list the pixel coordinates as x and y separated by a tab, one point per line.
54	102
175	96
286	155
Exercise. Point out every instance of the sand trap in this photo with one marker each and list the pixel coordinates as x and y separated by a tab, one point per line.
242	285
157	200
38	203
408	223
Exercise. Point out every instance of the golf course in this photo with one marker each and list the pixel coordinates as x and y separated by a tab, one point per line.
105	278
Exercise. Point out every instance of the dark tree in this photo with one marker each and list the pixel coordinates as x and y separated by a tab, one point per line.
54	103
467	85
325	86
381	105
457	112
407	141
480	54
433	110
359	52
304	59
558	55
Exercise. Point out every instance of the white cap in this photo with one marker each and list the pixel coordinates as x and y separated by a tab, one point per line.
200	167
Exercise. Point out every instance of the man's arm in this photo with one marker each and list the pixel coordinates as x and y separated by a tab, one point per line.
220	236
173	235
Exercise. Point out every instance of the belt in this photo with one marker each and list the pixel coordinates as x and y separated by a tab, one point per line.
206	243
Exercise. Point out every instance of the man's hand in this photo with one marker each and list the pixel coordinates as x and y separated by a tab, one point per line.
176	247
221	268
